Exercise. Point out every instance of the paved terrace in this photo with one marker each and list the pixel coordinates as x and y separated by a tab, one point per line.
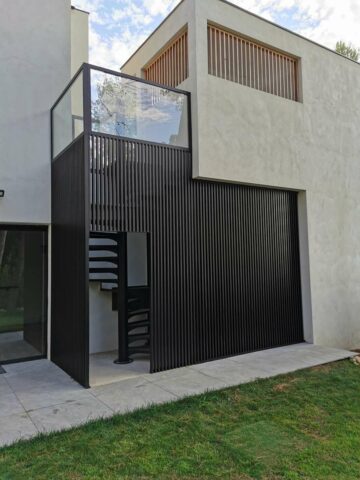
39	397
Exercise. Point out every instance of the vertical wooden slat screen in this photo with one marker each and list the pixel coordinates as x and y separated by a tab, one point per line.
171	67
240	60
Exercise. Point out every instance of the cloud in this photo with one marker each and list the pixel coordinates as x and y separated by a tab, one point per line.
132	14
324	21
118	27
159	7
113	51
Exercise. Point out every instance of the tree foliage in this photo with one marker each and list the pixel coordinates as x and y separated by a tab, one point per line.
348	50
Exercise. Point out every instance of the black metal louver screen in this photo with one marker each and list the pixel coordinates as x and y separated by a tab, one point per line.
70	266
225	273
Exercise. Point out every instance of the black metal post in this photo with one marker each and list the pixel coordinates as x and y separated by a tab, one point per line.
87	98
123	342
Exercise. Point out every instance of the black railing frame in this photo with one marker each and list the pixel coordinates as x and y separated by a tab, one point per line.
85	70
62	95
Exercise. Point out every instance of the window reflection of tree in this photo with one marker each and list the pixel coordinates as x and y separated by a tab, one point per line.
11	272
122	106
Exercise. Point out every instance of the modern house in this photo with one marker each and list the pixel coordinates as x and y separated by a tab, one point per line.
203	200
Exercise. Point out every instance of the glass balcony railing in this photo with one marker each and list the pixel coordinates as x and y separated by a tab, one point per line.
100	101
67	117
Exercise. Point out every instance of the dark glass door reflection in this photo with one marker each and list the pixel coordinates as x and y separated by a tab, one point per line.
23	284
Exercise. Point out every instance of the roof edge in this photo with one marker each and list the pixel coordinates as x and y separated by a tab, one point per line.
253	15
79	10
152	33
287	30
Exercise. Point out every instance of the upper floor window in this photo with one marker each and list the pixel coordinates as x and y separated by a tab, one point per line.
171	66
243	61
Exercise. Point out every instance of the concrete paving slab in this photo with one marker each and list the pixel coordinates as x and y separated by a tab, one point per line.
189	382
172	374
4	388
16	427
34	365
9	404
75	412
52	394
132	394
233	374
41	385
103	371
39	397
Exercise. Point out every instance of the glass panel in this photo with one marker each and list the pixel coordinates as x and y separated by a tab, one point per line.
68	117
22	294
133	109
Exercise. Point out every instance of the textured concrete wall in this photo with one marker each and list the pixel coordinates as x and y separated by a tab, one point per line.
34	69
79	39
248	136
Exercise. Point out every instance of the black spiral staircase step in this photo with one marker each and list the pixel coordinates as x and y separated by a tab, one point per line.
112	270
140	324
103	248
138	297
113	260
136	337
136	313
104	235
144	349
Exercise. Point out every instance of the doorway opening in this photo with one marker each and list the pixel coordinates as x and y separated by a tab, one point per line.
23	287
119	306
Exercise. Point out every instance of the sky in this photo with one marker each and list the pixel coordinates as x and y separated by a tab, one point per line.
118	27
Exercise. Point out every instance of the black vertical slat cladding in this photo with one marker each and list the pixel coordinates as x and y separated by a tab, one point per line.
70	236
225	269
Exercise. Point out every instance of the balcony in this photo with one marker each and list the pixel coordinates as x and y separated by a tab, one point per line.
121	164
100	101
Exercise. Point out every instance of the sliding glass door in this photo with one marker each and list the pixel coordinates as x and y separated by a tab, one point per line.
23	293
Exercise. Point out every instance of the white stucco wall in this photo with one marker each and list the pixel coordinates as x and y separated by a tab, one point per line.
34	69
37	53
103	322
41	43
248	136
79	39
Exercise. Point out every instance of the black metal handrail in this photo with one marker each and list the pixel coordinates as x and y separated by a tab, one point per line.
85	70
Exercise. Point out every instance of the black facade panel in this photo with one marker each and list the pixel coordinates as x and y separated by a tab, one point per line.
70	290
225	269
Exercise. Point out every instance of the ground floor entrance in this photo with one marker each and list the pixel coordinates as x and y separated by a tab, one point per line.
23	288
119	306
224	261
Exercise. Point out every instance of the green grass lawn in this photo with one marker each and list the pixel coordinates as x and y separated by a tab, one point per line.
300	426
11	322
